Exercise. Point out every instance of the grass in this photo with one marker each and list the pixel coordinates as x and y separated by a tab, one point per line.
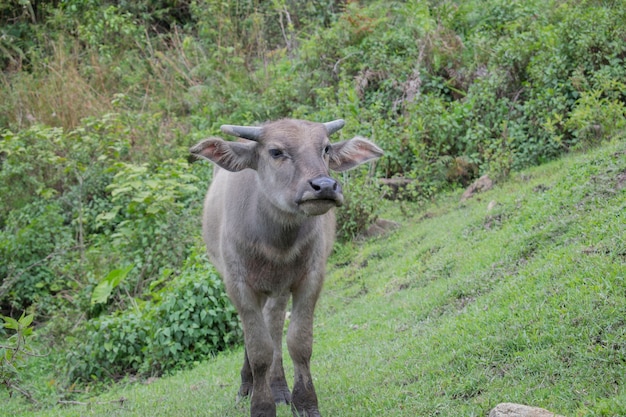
459	309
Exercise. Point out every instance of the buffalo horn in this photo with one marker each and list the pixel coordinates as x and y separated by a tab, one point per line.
335	125
246	132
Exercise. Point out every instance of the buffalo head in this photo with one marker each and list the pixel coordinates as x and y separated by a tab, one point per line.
293	159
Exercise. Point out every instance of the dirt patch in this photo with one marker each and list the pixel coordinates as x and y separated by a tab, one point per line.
482	184
621	180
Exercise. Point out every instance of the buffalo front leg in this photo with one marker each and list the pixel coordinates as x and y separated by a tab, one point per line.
259	350
274	313
300	344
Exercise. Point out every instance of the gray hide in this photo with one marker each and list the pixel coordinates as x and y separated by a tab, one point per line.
269	227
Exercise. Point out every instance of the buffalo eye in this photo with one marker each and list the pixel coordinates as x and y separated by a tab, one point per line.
326	150
276	153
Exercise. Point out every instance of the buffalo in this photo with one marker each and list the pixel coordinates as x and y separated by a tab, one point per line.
269	227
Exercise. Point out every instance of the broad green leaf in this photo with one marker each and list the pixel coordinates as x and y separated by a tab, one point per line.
103	290
116	276
10	323
101	293
107	217
26	321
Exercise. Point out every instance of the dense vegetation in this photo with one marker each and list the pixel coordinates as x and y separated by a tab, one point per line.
100	100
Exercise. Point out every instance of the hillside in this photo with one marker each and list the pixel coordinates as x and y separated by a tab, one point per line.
461	308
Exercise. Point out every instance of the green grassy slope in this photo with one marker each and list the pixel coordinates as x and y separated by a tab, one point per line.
458	310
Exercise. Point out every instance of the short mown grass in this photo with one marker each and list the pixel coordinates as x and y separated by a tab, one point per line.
461	308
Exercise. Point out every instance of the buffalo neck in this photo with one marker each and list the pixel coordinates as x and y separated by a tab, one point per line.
283	230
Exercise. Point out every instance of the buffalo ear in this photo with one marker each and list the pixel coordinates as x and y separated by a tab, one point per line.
351	153
232	156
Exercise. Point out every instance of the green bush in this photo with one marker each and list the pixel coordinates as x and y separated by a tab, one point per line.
109	347
53	185
14	351
33	244
31	167
47	162
597	115
194	319
188	320
361	206
153	219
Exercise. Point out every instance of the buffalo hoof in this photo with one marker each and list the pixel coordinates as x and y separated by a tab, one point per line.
263	410
245	390
281	393
304	412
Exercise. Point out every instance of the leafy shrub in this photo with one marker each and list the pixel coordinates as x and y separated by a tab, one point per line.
361	206
31	245
14	352
188	320
30	167
152	222
109	347
47	162
596	116
53	186
194	318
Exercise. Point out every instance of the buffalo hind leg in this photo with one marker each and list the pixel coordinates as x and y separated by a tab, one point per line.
245	389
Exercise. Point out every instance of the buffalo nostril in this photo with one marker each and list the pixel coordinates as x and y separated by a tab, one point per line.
323	184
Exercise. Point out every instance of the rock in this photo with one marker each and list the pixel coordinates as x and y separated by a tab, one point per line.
482	184
380	228
519	410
